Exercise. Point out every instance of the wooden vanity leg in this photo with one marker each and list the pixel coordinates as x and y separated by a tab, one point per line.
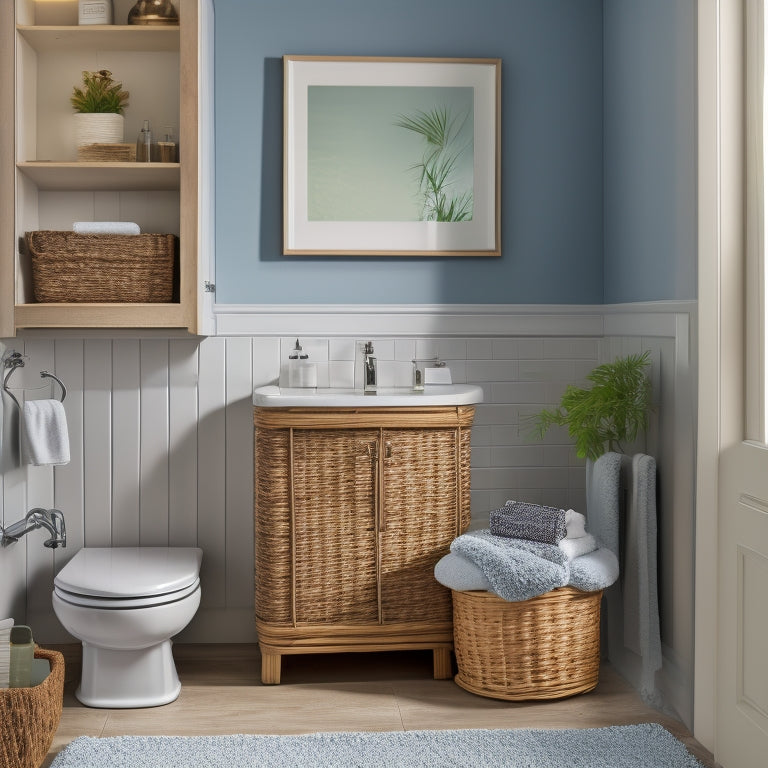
441	664
270	668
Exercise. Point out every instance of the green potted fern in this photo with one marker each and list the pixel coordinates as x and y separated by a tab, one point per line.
99	105
607	416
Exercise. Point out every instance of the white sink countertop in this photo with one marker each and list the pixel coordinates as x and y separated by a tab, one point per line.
330	397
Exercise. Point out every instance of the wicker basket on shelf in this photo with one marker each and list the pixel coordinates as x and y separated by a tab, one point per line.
547	647
30	716
73	267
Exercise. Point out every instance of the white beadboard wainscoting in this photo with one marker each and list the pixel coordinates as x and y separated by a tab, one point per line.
161	445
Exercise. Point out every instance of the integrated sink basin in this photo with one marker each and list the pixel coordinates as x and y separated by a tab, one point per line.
330	397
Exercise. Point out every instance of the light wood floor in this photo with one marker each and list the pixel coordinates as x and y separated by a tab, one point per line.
222	694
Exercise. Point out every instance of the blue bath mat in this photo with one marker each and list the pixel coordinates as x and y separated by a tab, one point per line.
629	746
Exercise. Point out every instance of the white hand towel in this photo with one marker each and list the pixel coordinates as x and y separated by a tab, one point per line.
573	548
106	228
574	524
44	434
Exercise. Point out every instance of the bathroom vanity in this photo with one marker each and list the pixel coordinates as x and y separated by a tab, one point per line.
356	498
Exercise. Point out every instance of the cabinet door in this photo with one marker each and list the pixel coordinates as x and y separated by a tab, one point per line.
419	515
334	523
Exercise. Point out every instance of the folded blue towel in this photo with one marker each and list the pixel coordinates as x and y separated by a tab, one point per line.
516	569
519	520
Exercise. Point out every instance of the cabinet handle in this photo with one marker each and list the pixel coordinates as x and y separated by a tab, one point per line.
372	450
387	450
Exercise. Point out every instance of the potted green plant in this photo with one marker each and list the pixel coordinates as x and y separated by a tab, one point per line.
99	105
609	414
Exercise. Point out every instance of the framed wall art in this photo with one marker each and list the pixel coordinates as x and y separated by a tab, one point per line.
391	156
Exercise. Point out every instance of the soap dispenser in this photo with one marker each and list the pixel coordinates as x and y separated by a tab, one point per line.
301	373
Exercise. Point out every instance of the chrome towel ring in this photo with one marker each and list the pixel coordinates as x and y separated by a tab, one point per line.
16	360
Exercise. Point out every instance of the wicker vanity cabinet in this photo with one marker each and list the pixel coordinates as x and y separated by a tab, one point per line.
353	508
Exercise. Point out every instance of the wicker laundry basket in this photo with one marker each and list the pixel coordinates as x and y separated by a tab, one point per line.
74	267
547	647
30	716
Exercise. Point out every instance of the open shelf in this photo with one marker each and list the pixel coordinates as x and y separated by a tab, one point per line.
99	176
102	316
97	38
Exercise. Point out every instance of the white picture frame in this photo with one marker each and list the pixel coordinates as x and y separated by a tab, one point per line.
391	156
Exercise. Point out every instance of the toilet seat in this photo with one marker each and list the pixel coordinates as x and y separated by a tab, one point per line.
122	603
130	573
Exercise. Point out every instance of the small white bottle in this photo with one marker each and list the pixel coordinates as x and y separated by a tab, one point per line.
22	654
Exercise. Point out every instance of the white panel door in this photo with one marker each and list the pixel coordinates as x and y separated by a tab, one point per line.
742	700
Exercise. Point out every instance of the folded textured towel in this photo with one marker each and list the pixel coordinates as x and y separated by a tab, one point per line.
590	572
574	524
106	228
516	569
44	434
533	522
576	547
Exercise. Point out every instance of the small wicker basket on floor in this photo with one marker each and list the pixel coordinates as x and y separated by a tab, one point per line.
547	647
30	716
74	267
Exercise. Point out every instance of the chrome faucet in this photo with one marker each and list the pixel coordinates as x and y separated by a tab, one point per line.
50	519
369	369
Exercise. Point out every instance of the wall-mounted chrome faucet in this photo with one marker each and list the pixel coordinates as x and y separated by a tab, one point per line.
50	519
369	369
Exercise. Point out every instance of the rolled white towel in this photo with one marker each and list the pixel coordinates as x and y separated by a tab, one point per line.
106	228
574	524
577	547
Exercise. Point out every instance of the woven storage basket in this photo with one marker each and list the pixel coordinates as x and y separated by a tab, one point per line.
30	716
74	267
547	647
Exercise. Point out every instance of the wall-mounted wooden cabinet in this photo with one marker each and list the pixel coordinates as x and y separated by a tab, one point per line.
168	72
353	509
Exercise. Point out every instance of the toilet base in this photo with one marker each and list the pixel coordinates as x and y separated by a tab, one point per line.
128	679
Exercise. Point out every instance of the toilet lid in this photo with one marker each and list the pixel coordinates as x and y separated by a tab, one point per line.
121	572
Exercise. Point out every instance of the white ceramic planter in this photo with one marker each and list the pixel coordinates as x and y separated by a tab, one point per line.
98	128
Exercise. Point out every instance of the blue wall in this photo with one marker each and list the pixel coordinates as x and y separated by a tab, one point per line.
650	150
598	149
552	148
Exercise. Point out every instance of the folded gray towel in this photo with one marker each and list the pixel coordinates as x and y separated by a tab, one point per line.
519	520
516	569
590	572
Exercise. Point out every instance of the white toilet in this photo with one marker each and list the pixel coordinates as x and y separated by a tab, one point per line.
125	604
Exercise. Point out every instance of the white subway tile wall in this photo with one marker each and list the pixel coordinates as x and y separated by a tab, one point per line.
518	377
162	443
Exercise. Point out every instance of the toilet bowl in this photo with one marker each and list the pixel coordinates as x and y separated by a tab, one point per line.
124	604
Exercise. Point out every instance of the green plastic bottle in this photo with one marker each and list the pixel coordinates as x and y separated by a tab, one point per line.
22	653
